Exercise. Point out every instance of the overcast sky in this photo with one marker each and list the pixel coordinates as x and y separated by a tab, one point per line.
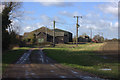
102	17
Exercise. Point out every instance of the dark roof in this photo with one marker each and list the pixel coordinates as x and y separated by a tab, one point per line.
42	29
51	33
58	32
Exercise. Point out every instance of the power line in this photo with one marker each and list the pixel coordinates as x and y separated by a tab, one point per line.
64	23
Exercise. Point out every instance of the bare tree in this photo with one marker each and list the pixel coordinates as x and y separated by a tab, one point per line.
7	19
8	13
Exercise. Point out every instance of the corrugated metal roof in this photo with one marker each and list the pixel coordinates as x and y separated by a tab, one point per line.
58	32
51	33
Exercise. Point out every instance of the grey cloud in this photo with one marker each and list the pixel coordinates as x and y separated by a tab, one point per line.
57	4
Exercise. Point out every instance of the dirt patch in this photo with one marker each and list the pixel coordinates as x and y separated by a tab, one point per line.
110	50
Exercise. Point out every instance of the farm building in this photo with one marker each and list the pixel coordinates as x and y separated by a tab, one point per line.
84	39
44	34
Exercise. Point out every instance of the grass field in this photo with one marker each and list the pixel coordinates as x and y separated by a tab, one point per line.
86	57
11	56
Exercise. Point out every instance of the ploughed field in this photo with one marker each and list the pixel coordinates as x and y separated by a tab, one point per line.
100	59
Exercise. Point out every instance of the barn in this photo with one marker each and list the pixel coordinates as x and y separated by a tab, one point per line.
44	34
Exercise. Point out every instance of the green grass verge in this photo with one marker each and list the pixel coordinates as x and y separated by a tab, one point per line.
84	57
11	56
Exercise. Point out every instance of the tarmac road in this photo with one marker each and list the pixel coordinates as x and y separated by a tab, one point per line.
38	66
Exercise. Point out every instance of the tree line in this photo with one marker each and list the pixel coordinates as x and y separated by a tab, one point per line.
9	35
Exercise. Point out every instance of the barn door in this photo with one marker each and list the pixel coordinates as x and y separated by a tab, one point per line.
41	40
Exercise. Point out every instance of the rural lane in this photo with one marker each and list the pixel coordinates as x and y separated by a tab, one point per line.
38	66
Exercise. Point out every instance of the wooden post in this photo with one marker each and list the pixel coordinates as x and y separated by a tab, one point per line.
77	26
53	33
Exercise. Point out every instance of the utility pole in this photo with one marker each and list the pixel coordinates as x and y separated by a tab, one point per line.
53	33
46	33
77	26
91	32
102	34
